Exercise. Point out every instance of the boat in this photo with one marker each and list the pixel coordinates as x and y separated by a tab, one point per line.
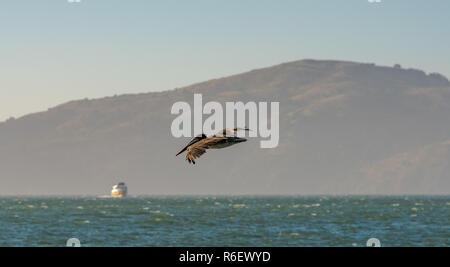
119	190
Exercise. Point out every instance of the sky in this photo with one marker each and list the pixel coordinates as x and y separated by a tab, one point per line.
54	51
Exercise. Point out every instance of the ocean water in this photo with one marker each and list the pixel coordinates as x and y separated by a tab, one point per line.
226	221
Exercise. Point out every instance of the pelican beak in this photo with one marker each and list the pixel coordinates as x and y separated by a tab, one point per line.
242	129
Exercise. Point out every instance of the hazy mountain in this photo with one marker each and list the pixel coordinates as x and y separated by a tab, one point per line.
344	128
405	172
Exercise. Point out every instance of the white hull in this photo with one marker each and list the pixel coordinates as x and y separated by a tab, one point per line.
119	190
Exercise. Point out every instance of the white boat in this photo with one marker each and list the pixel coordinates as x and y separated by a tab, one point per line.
119	190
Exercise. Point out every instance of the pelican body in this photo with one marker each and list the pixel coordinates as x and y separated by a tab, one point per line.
199	144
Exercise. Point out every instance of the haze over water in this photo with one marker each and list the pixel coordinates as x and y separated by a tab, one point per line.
226	221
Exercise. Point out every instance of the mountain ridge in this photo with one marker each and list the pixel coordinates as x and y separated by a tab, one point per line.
441	78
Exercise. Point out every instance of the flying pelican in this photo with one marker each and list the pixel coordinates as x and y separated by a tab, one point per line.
199	144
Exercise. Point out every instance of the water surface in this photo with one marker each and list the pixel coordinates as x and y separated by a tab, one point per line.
226	221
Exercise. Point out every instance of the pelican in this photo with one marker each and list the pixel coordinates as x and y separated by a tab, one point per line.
199	144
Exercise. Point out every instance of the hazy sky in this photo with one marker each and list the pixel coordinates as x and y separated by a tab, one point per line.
53	51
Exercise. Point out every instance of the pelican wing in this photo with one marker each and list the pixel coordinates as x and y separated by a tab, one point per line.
198	149
193	141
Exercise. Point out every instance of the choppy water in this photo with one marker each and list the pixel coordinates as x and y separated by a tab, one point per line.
226	221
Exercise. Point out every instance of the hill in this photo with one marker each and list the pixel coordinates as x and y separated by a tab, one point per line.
344	128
